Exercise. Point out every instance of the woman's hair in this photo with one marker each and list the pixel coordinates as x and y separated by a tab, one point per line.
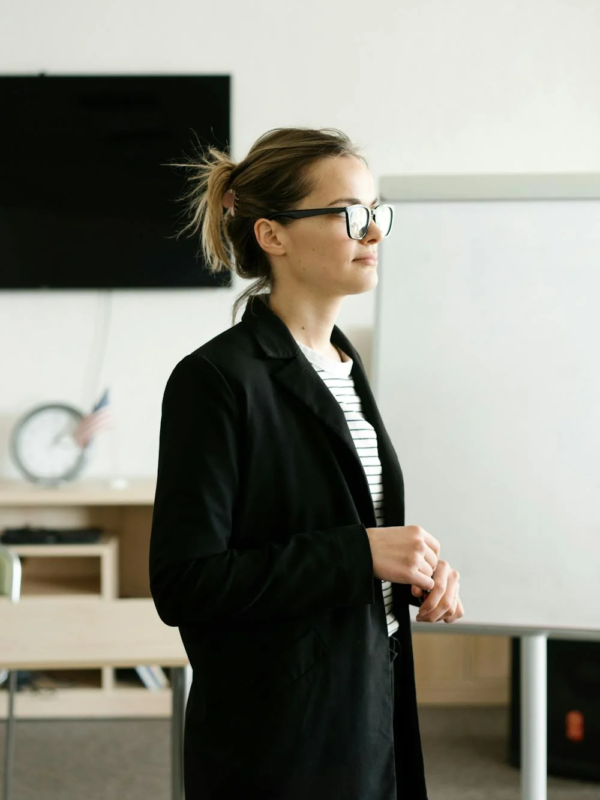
275	176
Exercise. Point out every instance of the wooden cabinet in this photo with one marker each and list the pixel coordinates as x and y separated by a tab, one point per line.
462	670
115	567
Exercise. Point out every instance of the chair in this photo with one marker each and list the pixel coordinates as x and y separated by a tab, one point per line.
10	586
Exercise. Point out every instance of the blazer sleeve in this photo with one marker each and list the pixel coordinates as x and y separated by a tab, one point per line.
195	577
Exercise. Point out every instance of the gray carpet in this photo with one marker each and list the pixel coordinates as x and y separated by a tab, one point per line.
465	758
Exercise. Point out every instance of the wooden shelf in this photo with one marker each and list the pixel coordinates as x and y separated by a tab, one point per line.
85	492
86	703
108	539
114	567
70	569
88	697
59	679
61	585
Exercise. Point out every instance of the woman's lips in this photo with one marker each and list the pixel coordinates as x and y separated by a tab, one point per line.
368	260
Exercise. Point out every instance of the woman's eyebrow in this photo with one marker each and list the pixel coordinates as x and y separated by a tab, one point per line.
354	201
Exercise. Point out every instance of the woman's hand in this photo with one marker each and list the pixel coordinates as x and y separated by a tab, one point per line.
443	601
404	554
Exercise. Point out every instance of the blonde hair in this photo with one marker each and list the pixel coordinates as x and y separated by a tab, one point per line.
274	176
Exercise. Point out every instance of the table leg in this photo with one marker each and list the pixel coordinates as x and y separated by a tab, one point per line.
180	687
10	735
534	710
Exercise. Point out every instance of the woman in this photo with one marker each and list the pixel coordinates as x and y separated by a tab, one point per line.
278	542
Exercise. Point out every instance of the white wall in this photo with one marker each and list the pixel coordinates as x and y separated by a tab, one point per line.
426	86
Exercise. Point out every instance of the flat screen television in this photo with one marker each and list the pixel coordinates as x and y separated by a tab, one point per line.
89	196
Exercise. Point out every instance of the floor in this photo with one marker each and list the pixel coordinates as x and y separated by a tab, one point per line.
465	758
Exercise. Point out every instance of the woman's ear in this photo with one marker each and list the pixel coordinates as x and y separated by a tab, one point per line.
268	234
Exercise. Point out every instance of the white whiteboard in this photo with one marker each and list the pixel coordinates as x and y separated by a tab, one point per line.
487	375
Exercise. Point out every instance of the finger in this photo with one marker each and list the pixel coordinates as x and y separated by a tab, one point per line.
443	597
424	582
460	612
451	611
452	593
432	542
438	592
430	557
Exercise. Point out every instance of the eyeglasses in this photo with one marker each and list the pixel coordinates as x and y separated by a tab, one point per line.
358	218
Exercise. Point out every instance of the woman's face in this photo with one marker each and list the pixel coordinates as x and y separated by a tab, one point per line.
316	253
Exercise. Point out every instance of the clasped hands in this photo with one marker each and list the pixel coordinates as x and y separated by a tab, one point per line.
443	602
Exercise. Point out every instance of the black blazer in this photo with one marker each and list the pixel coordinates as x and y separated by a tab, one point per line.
259	555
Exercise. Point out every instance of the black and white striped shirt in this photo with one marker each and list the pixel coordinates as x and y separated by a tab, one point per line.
336	376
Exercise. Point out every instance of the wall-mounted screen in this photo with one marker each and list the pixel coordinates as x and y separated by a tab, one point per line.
89	196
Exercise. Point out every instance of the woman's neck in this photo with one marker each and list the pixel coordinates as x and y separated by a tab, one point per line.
308	321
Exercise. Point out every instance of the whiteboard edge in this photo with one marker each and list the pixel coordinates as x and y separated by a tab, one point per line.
515	186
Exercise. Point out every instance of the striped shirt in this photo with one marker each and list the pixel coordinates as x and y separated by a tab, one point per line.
336	376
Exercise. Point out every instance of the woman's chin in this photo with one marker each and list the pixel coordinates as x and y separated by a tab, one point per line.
366	280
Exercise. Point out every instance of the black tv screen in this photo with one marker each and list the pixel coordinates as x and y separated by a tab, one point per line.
86	201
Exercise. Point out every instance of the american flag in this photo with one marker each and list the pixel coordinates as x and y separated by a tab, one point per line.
97	420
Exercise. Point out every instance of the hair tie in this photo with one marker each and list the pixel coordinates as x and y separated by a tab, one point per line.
229	201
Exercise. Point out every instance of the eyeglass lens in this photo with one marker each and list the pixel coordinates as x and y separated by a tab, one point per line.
359	220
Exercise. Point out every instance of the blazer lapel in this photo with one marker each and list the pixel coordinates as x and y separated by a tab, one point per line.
298	376
393	480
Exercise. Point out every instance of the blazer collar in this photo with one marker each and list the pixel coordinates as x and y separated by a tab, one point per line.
298	376
273	334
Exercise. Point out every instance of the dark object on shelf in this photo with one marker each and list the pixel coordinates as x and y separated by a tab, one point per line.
38	681
127	675
573	708
29	535
25	679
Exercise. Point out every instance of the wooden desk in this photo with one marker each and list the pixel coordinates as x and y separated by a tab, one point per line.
96	632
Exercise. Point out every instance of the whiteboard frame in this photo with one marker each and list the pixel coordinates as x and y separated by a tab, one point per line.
509	186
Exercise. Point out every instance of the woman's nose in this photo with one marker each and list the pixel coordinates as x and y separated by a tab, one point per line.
374	233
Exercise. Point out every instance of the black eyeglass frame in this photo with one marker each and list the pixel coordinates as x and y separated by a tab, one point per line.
313	212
